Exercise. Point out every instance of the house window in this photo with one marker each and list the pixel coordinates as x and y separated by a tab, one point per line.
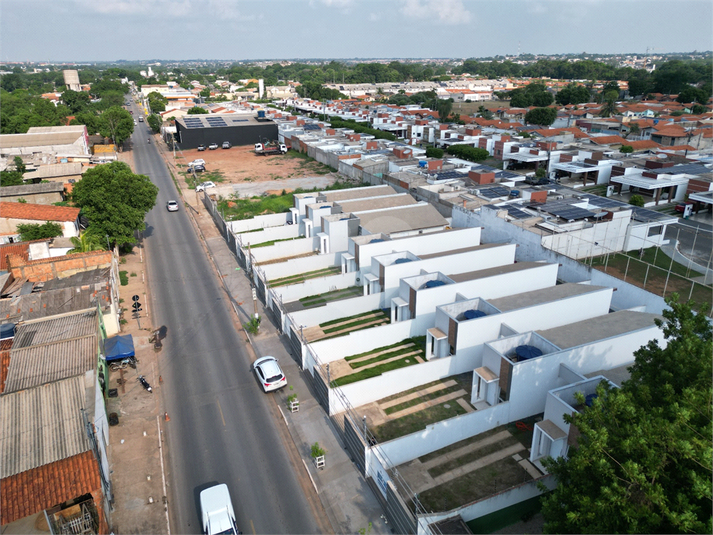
655	231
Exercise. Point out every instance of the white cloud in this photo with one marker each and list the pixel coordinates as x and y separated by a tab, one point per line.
332	3
443	11
374	17
169	9
227	10
536	8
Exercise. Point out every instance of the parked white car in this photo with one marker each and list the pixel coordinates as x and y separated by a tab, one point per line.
199	161
172	206
269	374
205	186
217	511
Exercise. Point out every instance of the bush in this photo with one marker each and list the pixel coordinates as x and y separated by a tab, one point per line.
433	152
317	450
466	152
33	231
636	200
124	278
626	149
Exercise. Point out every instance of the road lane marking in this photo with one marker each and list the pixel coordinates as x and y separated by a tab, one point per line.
221	412
252	526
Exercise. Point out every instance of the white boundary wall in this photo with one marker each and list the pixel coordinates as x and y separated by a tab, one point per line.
336	309
269	234
320	285
285	249
362	341
261	221
444	433
299	265
497	230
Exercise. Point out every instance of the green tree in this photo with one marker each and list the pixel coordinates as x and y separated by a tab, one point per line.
445	106
116	123
466	152
636	200
197	110
14	177
697	109
633	130
76	101
115	200
626	149
154	121
541	116
642	463
692	94
609	108
573	94
542	99
35	231
434	152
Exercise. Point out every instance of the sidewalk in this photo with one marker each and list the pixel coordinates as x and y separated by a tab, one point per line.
346	497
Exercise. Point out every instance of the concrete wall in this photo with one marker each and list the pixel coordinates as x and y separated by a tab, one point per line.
594	240
261	221
299	265
286	250
441	434
336	309
269	234
320	285
496	230
57	267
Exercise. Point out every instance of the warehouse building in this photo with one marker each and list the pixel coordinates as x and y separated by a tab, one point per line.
194	130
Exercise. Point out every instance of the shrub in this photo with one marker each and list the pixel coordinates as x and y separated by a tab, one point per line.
636	200
124	277
434	152
626	149
466	152
33	231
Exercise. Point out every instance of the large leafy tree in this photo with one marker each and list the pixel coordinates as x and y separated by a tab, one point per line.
643	459
541	116
573	94
116	123
14	177
35	231
115	200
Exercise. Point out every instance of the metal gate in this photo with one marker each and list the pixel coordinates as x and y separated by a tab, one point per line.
321	389
400	517
354	443
294	338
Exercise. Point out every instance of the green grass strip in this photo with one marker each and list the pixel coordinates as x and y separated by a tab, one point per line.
412	423
375	371
471	456
355	324
386	356
272	242
340	320
423	398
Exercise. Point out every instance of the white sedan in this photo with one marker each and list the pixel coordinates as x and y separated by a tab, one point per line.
205	186
269	374
199	161
172	206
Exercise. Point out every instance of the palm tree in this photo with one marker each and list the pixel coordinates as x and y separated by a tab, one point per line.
86	242
608	108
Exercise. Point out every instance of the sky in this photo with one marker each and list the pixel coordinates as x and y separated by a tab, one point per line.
110	30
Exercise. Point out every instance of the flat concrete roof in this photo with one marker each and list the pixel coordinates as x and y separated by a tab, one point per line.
356	193
212	120
543	295
461	250
599	328
401	219
491	272
376	203
616	375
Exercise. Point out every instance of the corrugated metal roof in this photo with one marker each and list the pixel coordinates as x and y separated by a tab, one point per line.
56	328
42	425
37	365
55	170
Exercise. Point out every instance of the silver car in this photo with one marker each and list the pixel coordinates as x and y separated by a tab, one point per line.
172	206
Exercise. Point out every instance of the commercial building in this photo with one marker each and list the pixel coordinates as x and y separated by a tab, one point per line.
194	130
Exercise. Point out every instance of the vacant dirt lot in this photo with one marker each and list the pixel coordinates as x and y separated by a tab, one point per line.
239	165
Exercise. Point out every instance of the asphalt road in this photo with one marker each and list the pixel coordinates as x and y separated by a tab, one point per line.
222	427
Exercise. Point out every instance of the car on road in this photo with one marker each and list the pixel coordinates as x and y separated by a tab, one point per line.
204	186
141	119
226	144
172	206
217	511
213	146
135	123
269	374
199	161
201	147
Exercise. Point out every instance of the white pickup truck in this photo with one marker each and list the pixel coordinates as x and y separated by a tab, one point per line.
217	511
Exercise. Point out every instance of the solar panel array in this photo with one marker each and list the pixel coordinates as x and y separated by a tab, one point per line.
494	193
193	122
311	127
646	216
565	211
603	202
514	211
446	175
215	121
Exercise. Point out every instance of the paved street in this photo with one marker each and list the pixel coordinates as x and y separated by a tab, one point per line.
222	427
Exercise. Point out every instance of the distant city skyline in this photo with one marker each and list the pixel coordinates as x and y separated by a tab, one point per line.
140	30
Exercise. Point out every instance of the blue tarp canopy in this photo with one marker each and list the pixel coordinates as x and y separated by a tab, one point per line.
472	314
527	352
119	347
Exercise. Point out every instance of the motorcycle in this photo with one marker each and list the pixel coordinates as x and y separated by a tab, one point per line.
145	383
123	363
149	141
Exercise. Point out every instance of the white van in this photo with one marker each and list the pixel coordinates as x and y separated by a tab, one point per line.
217	511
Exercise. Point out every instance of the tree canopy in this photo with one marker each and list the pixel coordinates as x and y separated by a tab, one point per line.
14	177
469	153
115	200
642	463
197	110
116	123
35	231
541	116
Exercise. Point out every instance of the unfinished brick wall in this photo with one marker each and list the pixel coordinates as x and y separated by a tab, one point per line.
57	267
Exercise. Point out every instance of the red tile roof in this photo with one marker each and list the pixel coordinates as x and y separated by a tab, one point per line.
608	140
37	212
21	249
644	144
671	131
679	147
30	492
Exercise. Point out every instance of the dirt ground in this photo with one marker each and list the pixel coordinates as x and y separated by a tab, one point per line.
469	108
239	165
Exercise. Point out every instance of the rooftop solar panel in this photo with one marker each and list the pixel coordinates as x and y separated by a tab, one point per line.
515	212
644	215
494	193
